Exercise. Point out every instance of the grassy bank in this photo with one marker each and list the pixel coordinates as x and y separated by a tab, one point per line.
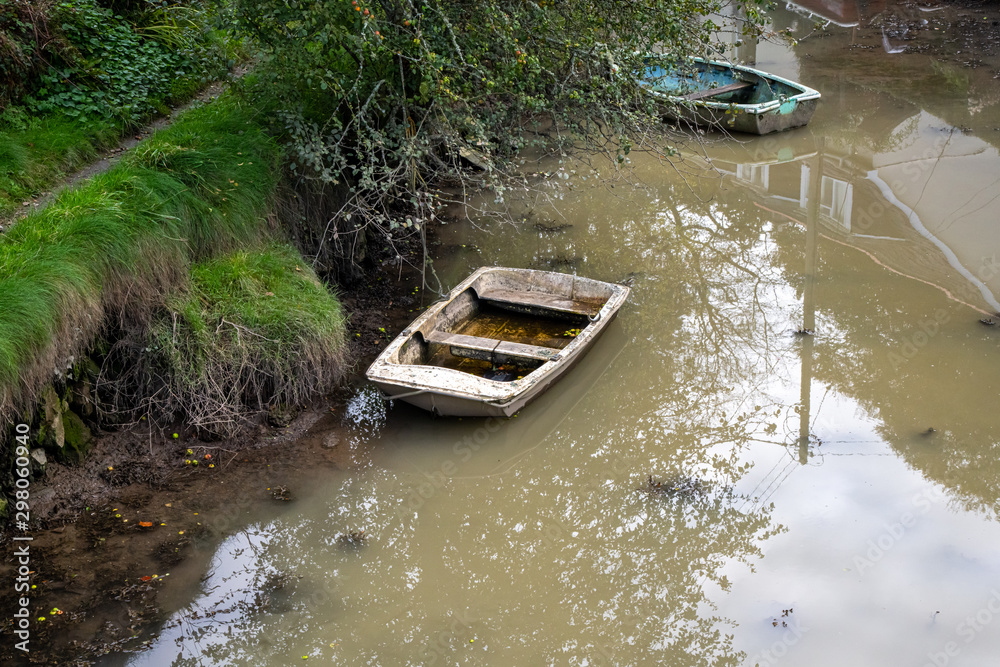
106	255
76	76
34	157
253	328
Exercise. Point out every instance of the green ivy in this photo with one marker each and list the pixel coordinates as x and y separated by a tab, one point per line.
116	69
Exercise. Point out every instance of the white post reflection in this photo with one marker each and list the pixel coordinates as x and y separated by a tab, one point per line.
809	302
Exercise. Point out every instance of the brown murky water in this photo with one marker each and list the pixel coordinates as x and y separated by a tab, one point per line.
833	496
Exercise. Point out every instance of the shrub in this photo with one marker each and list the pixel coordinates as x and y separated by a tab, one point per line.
111	68
24	32
391	98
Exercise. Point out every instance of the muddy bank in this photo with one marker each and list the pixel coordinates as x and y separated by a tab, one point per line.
115	546
138	520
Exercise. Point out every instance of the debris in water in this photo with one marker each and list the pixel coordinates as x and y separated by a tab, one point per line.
804	332
988	321
561	261
677	485
280	493
549	227
354	539
276	581
888	47
785	613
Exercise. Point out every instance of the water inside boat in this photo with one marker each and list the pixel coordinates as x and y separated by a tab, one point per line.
497	323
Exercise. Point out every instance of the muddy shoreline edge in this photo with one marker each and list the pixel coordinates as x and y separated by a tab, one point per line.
133	523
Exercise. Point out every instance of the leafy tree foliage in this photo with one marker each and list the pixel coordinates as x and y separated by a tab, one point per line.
389	96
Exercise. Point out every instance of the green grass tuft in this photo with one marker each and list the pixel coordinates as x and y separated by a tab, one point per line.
255	327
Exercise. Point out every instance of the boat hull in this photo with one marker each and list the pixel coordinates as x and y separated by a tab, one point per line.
403	373
773	104
747	121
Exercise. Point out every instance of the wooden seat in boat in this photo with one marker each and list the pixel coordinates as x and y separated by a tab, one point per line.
490	349
535	302
721	90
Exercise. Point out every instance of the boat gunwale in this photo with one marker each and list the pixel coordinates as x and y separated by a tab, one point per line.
805	95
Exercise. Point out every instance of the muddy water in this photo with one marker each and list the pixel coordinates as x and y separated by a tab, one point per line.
826	498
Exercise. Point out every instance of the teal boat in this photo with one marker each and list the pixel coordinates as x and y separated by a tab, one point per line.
727	96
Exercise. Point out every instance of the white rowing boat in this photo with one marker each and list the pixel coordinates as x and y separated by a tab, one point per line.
500	339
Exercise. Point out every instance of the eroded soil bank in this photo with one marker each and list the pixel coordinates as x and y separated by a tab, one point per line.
135	524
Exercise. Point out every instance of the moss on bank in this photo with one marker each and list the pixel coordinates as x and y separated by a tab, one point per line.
109	252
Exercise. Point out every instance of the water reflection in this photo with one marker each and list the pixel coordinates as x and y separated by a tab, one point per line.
534	539
559	560
844	13
916	203
900	189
